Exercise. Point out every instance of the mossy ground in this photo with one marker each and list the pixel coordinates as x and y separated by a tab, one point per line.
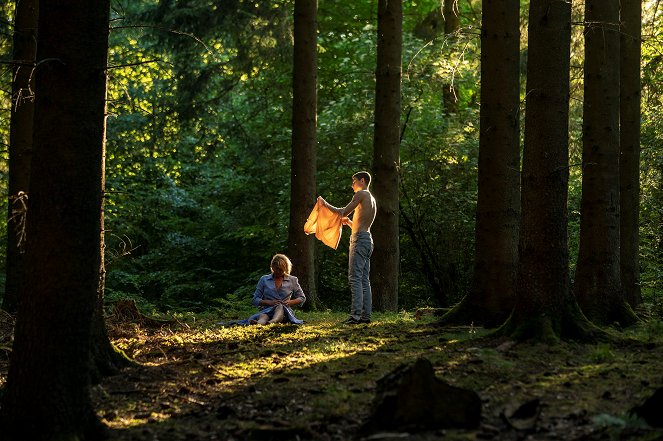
317	381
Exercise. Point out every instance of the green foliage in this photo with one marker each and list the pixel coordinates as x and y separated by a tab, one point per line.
651	169
653	329
199	145
602	353
197	164
650	326
198	150
439	155
614	425
6	27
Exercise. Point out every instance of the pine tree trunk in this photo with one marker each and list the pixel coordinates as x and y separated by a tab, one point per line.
106	359
597	280
301	249
545	308
629	141
20	144
492	296
47	394
386	156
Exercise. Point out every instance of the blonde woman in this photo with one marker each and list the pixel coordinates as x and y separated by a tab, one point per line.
276	293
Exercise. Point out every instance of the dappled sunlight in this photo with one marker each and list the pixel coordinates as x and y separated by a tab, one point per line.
238	379
197	367
196	378
244	352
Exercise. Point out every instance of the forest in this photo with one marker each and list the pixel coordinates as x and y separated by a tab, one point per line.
157	154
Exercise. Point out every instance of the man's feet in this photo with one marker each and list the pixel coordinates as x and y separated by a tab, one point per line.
352	321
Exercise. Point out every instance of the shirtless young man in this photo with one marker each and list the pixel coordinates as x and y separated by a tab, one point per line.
361	246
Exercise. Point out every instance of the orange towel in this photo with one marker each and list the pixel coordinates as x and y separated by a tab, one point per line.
325	224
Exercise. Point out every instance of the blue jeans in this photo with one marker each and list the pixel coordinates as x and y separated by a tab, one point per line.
359	267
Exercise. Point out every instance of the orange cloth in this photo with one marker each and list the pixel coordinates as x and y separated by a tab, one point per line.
325	224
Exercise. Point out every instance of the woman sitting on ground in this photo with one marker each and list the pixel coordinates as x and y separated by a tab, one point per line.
276	293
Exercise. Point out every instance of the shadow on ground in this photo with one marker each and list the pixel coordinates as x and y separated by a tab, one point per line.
318	382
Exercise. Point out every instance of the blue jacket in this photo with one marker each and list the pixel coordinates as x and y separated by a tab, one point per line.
266	290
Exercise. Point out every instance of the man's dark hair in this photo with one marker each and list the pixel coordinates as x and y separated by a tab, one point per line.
366	176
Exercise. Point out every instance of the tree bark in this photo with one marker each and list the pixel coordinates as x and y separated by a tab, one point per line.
20	144
545	308
106	359
301	249
492	295
629	141
47	395
598	280
386	156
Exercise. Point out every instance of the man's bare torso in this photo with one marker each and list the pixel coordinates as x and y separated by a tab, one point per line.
364	207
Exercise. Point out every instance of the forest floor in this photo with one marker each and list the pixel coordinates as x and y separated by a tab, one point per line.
199	381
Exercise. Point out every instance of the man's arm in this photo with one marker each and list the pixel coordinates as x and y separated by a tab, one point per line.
323	202
356	199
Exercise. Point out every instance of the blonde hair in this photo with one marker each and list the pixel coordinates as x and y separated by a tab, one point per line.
281	261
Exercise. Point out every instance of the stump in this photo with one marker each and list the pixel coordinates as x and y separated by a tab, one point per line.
413	397
125	311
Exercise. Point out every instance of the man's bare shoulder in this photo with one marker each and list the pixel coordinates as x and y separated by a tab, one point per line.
364	194
367	196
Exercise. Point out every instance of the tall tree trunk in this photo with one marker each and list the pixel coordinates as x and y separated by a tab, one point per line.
386	155
106	359
20	144
451	25
545	308
492	295
47	395
301	249
597	280
629	142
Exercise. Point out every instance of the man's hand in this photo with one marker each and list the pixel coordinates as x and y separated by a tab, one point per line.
347	221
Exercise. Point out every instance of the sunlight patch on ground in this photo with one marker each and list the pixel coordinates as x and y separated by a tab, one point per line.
252	363
237	380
